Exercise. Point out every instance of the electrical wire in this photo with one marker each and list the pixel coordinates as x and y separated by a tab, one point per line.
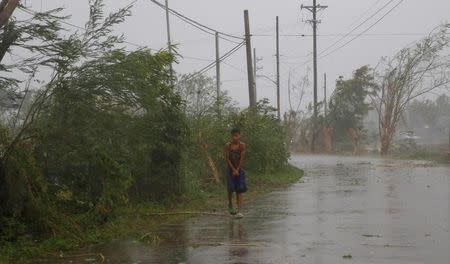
357	36
340	35
264	30
196	58
365	12
234	67
198	25
367	29
221	59
233	80
357	27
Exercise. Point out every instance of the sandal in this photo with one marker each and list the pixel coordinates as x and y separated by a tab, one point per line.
232	211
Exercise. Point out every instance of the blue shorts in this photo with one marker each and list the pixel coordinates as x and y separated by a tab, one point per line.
236	184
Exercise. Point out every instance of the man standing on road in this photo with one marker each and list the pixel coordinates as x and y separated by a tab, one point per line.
234	156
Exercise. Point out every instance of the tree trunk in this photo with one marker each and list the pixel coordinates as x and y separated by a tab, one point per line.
304	143
7	7
387	132
385	143
9	37
355	136
327	140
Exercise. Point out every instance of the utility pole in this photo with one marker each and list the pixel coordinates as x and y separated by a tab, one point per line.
325	93
314	9
278	69
255	69
289	93
218	73
448	153
251	81
169	41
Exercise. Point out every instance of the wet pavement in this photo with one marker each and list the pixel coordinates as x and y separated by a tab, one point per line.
345	210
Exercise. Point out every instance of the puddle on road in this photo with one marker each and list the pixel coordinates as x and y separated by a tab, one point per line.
374	210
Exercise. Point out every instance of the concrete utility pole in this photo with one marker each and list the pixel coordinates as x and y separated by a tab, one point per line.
325	93
251	80
278	69
169	41
255	69
314	9
218	73
289	92
7	7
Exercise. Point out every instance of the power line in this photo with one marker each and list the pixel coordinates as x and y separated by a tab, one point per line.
221	59
234	67
198	25
357	27
206	68
197	59
343	36
365	12
340	34
234	80
367	29
263	30
356	36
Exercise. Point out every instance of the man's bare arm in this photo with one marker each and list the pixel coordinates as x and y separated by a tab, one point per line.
241	161
227	156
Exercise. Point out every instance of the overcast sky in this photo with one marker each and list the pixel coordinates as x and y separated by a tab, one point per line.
410	21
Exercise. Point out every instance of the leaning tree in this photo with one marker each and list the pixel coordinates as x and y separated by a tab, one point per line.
412	72
295	117
348	106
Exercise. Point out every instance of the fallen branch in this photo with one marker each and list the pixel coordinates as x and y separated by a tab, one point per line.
99	255
186	213
229	244
209	159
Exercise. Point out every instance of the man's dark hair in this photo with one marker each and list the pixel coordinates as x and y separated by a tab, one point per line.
235	130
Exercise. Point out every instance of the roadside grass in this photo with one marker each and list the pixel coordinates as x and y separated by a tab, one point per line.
138	221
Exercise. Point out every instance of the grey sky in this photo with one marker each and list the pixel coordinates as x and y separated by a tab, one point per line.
147	27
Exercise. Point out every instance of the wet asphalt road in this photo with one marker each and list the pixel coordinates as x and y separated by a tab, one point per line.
368	210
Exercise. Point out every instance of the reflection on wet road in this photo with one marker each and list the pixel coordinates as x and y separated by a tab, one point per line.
369	210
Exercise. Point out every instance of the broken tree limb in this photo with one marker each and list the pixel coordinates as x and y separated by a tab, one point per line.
185	213
211	164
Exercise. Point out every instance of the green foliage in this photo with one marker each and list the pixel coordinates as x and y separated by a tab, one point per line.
107	130
412	72
208	130
265	137
409	150
263	133
428	112
348	104
114	122
405	146
105	125
443	105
